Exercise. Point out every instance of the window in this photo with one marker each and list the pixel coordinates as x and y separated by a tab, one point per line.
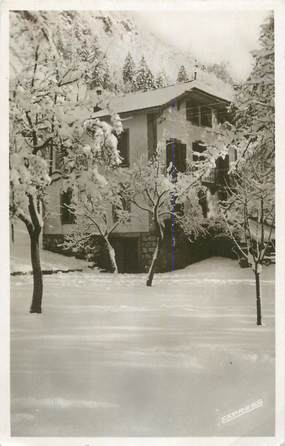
126	206
59	155
200	115
206	116
198	147
151	133
67	217
222	116
48	155
193	112
58	160
123	147
176	154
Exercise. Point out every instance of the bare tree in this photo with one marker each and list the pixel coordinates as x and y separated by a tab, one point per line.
99	208
162	192
37	95
249	216
249	211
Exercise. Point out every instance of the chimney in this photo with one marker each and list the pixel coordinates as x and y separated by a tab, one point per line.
195	70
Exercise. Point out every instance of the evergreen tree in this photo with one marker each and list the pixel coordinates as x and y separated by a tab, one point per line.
249	211
254	103
129	72
144	79
88	52
107	83
97	75
182	75
93	62
161	79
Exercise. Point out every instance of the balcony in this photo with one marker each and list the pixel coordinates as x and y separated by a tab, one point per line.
217	177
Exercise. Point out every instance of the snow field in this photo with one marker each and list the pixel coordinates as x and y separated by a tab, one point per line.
123	359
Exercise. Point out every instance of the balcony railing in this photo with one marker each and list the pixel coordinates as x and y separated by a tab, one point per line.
218	177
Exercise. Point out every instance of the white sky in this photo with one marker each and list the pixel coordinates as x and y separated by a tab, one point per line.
212	36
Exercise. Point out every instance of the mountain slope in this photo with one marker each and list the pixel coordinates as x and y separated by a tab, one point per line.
116	33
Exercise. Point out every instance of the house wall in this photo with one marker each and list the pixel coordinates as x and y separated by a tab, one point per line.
138	144
52	222
171	123
176	256
54	229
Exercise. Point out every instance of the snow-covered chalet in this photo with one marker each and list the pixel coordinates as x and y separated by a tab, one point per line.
185	114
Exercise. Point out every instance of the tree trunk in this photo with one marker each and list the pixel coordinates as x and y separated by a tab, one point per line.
36	306
112	256
258	298
155	257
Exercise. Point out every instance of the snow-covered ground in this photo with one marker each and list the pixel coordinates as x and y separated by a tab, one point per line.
20	258
111	357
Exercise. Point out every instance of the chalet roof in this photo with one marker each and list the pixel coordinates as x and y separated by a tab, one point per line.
159	97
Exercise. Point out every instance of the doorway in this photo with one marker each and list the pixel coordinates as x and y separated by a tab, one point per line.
127	250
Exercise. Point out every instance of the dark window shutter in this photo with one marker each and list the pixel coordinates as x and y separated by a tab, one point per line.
151	133
222	169
67	217
181	157
176	154
123	147
169	148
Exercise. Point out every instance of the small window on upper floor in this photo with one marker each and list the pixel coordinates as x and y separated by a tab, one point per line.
200	115
124	148
59	155
205	116
193	112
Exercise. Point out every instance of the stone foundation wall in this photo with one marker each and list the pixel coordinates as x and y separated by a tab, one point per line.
172	257
147	247
182	254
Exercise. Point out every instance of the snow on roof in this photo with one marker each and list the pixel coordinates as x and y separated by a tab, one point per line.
159	97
